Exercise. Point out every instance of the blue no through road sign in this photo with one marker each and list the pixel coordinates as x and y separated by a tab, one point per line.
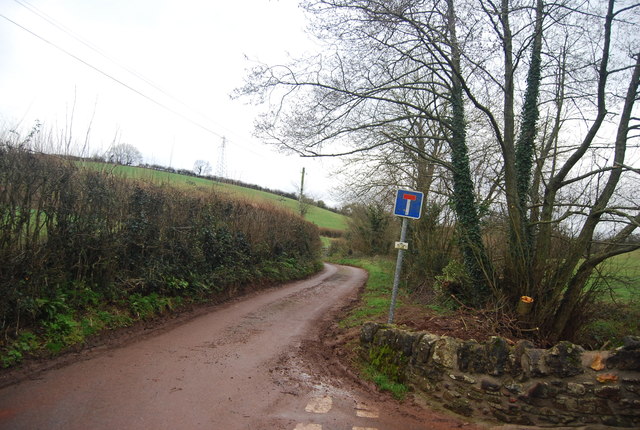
408	204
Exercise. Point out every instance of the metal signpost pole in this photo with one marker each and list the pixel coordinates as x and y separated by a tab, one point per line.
396	278
408	205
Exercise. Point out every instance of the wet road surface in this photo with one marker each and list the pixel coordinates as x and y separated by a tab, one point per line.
239	366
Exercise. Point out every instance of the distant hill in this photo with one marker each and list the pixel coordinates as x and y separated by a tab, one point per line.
323	218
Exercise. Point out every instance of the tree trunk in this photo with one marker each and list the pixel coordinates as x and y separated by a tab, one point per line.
474	253
517	273
556	280
576	282
524	155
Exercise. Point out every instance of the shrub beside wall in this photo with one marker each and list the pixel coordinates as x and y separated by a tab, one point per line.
518	384
70	237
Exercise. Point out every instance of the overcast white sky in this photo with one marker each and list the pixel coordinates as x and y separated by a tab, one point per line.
193	50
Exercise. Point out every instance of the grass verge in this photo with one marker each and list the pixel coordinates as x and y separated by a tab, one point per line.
382	366
376	299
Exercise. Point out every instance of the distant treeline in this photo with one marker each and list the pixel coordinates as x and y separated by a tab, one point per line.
70	237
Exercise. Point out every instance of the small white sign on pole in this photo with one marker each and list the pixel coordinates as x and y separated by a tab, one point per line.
402	245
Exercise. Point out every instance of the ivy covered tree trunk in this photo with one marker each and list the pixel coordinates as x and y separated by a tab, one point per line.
470	237
515	273
521	234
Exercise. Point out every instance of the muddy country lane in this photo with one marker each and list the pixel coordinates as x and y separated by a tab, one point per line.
244	365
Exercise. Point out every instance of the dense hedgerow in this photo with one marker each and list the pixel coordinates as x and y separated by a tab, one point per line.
71	237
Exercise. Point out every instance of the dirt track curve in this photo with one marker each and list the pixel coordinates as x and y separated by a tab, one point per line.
256	363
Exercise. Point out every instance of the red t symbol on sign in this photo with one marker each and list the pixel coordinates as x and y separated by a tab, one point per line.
409	198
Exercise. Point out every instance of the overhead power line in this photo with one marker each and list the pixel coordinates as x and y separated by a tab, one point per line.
33	9
129	87
43	15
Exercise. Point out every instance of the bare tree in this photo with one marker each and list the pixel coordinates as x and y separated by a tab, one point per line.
125	154
201	167
395	71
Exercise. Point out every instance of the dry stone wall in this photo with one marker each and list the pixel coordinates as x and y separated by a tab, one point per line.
518	384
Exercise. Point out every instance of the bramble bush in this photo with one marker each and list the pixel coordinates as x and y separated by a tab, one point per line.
72	240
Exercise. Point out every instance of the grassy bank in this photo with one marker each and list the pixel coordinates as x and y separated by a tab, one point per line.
376	299
374	306
616	315
319	216
75	315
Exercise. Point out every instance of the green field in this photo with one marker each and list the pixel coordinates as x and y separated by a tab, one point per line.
626	269
618	314
320	217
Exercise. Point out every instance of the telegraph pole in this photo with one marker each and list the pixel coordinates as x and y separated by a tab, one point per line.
301	196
